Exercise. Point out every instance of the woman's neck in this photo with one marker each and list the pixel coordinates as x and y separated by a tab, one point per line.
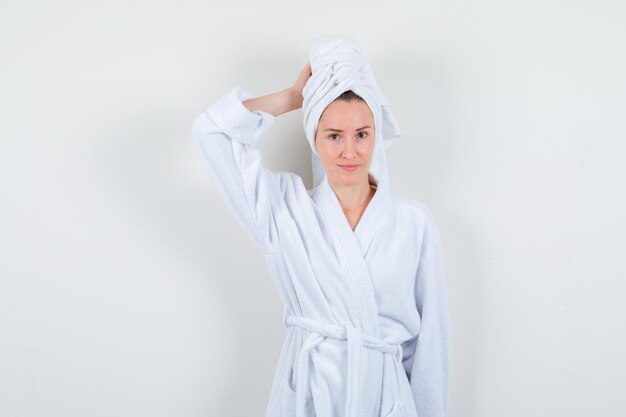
354	198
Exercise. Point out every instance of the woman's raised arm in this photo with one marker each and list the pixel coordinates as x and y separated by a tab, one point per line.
226	134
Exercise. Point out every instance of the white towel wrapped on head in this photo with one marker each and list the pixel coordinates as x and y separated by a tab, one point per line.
338	64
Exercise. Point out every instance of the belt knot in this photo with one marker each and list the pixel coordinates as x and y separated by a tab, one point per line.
356	340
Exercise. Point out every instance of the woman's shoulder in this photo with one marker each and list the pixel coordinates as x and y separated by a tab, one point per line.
416	208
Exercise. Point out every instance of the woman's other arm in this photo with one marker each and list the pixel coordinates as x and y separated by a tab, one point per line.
429	362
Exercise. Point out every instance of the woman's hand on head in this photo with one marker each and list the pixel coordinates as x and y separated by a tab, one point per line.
298	86
282	101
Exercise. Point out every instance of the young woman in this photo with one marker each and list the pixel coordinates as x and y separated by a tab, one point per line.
358	268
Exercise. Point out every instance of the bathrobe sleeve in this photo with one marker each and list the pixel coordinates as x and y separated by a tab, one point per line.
429	358
226	134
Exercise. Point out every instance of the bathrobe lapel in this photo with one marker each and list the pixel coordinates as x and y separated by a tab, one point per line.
355	245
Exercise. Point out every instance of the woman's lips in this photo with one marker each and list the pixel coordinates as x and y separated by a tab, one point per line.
349	167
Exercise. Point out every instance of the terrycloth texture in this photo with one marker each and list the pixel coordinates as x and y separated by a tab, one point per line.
365	310
338	64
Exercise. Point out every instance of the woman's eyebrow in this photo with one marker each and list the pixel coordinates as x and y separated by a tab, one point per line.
339	130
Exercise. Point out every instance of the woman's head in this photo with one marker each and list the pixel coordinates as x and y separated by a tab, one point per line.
345	136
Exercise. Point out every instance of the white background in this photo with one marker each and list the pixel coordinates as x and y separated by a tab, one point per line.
128	289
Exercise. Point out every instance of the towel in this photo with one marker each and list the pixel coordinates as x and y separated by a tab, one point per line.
338	64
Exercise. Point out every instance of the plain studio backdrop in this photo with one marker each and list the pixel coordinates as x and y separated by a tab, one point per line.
128	289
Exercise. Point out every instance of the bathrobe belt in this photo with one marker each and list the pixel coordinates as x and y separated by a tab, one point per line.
356	340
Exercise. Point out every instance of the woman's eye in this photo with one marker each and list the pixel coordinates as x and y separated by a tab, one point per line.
363	135
332	136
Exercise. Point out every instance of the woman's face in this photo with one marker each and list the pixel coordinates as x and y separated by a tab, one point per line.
345	137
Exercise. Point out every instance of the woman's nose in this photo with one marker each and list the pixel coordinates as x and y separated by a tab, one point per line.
349	149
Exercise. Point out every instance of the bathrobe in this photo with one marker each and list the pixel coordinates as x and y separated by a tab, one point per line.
365	310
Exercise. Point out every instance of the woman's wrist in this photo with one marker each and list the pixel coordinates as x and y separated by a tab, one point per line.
293	98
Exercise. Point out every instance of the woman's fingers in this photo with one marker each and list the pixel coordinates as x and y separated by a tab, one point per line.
303	77
295	91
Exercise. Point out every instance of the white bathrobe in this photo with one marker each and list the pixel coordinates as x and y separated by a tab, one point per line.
365	310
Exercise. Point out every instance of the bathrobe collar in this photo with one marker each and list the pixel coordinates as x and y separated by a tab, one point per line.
356	243
370	219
